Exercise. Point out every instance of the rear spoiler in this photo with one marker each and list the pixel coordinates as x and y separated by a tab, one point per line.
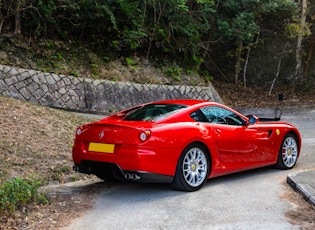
264	114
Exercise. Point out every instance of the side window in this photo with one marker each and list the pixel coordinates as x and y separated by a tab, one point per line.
218	115
199	116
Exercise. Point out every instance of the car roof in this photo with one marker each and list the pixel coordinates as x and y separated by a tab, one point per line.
188	102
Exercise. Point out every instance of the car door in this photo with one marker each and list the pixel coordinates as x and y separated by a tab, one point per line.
238	144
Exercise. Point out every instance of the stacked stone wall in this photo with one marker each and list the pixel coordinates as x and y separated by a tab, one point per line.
88	95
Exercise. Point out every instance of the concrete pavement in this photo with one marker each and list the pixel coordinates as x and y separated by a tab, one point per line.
303	182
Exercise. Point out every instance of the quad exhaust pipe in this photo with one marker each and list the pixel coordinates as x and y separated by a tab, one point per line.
76	168
128	176
132	176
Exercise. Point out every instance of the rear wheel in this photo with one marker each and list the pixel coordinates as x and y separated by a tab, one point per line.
288	153
193	169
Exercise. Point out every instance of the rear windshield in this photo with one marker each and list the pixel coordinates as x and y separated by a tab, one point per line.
153	112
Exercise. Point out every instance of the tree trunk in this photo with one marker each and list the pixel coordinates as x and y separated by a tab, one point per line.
18	25
247	60
298	53
1	25
309	58
278	68
238	60
158	12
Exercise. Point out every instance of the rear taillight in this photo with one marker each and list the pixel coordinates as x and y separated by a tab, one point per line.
144	135
79	131
82	129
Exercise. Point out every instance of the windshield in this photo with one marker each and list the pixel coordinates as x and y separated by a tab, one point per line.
153	112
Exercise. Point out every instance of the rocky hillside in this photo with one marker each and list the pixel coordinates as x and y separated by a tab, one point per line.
71	58
37	140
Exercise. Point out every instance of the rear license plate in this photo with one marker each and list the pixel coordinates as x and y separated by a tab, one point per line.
101	148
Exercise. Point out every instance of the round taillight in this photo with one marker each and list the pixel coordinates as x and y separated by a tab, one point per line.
79	131
145	135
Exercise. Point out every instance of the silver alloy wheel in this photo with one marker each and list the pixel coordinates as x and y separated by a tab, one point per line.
195	167
289	152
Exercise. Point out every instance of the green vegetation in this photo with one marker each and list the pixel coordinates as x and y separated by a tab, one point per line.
193	34
174	72
17	192
32	159
130	61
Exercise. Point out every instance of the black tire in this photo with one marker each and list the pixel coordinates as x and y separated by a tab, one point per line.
288	152
193	168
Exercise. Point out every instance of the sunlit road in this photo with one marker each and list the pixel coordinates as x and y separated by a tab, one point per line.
248	200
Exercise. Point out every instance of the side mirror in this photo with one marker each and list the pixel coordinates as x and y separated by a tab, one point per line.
252	119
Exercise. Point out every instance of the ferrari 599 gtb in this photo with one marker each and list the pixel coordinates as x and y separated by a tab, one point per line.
182	142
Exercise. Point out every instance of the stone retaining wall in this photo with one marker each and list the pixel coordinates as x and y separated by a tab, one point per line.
87	95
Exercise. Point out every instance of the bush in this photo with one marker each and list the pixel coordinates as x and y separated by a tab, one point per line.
17	191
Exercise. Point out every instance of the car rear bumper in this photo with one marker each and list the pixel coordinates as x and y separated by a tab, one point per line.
156	160
112	170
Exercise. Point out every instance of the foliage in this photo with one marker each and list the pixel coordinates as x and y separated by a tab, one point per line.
243	19
17	191
296	28
182	31
233	19
174	72
131	62
240	23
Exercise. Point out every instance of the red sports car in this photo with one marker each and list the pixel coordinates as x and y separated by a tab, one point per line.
182	142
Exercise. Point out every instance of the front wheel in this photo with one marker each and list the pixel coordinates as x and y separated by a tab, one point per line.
193	169
288	153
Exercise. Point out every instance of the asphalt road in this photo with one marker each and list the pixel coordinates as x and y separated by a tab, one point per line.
247	200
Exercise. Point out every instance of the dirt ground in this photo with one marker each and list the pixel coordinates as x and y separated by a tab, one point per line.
303	213
38	140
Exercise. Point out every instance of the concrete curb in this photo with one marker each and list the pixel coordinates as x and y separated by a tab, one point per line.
301	185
